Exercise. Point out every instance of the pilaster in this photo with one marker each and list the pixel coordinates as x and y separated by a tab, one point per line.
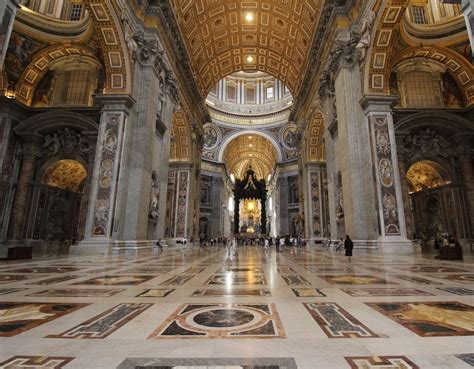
468	11
8	9
392	233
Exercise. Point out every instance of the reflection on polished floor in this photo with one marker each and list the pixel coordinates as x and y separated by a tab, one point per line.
191	308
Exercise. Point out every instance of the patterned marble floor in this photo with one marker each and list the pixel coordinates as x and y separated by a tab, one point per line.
199	309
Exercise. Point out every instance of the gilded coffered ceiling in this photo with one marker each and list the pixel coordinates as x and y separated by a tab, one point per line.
223	37
250	150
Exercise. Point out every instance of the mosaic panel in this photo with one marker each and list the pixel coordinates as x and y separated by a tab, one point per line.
458	290
307	292
294	280
367	292
177	280
18	317
461	278
237	279
416	280
467	358
76	293
431	269
104	324
222	321
385	362
232	292
117	280
47	270
35	362
337	322
155	293
62	278
354	279
430	319
214	363
7	291
6	278
255	270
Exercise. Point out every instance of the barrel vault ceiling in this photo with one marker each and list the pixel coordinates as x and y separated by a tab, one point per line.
222	37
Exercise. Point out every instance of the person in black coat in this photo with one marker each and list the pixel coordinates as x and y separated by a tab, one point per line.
348	245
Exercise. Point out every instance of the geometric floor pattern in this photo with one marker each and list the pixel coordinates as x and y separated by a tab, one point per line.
201	309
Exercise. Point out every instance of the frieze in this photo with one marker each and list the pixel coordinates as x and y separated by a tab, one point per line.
67	142
425	143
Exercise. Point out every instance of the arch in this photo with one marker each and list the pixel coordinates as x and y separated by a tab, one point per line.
227	140
181	138
38	67
116	58
44	122
220	38
461	70
427	174
434	120
315	149
382	47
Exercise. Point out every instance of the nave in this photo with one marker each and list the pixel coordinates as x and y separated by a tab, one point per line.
201	308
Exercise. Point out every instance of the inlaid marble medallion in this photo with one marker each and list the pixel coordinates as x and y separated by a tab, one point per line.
235	279
35	362
367	292
354	279
430	319
222	321
214	363
104	324
232	292
54	280
382	362
336	322
162	292
117	280
458	290
460	278
7	291
18	317
177	280
308	292
76	293
416	280
295	280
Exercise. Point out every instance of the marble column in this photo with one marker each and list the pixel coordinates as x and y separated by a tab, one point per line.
467	172
407	204
30	152
378	115
8	9
181	220
217	205
352	157
107	178
86	192
467	9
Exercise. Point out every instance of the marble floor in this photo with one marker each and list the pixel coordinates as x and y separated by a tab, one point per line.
200	309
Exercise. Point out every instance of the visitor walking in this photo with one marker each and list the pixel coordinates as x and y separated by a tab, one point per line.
348	245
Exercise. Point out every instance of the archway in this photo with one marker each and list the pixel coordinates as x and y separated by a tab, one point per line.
429	185
58	202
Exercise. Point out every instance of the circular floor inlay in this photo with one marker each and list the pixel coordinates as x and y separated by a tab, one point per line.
221	318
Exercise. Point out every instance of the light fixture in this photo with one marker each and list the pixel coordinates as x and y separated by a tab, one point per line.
250	137
249	17
250	59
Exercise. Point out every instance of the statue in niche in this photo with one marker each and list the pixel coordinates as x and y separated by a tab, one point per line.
154	198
